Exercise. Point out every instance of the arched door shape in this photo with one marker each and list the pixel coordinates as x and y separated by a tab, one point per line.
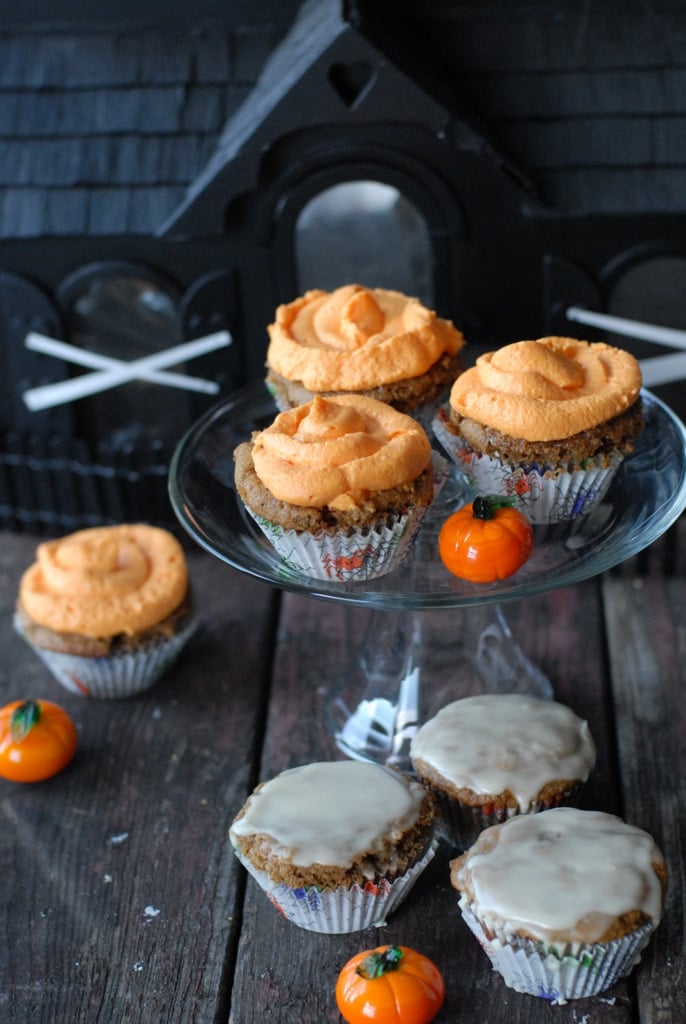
404	227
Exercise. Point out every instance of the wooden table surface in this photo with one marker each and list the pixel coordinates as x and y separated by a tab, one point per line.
122	900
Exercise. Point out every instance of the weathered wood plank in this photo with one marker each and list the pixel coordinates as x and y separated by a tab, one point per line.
286	974
138	823
120	895
646	631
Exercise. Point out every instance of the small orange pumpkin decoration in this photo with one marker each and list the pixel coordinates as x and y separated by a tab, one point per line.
390	985
37	740
486	541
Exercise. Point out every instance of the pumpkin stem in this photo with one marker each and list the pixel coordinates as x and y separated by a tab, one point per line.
23	719
485	506
377	964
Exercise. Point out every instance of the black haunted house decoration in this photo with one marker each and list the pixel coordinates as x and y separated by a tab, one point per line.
352	158
341	164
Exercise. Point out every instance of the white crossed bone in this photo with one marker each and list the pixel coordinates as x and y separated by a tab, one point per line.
658	369
111	373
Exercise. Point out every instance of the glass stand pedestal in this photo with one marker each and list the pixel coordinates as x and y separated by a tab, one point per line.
401	674
404	672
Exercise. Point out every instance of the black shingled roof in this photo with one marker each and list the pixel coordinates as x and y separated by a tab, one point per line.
104	134
101	135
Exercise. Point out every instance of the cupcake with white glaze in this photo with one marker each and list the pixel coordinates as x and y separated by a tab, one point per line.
370	341
562	902
547	421
108	609
336	846
493	756
339	486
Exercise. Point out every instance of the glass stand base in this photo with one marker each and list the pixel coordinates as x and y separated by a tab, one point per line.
408	667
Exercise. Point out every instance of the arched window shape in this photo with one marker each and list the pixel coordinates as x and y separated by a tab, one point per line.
652	289
364	216
364	232
649	285
125	311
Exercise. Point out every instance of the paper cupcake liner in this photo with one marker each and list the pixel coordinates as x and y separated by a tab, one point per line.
545	493
559	973
354	555
341	910
114	675
462	824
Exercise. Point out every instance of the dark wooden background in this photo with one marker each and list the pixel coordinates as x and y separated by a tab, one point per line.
121	898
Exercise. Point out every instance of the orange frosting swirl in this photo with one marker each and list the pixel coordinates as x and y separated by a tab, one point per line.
356	338
549	389
335	451
106	580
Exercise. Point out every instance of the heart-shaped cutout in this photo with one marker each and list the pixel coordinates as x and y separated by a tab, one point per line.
351	81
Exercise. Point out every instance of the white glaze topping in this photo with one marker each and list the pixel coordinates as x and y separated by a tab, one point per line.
561	873
492	743
331	812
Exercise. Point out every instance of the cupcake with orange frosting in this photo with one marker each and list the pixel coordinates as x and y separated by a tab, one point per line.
547	421
107	609
370	341
339	486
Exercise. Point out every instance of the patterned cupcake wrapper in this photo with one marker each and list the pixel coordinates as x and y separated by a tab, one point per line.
462	824
342	910
356	555
115	675
559	973
546	494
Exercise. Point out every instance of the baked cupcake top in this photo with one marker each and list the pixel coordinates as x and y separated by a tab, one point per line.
335	451
548	389
105	580
331	812
564	875
357	338
497	743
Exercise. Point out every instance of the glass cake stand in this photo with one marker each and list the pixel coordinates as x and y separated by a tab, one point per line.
387	689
